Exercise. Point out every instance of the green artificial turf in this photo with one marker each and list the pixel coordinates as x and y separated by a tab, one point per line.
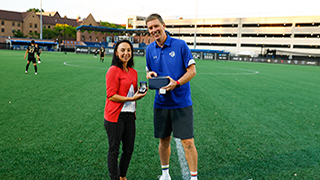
251	120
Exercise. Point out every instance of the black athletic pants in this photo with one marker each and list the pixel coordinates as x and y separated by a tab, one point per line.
124	130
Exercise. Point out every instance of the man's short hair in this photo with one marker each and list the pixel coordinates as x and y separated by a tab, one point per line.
32	41
153	17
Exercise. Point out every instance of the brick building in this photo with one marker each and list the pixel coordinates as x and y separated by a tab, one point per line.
29	22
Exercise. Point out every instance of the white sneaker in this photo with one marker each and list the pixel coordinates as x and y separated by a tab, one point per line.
35	73
26	72
165	177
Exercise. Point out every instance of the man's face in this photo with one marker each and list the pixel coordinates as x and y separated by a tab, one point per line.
156	29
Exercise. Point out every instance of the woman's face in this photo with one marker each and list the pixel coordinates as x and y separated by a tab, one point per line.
124	52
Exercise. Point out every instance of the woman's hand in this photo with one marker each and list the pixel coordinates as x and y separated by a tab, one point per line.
138	96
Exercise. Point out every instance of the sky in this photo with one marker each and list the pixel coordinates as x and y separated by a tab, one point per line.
117	11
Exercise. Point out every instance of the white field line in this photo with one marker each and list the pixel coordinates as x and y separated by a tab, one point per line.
228	74
68	63
246	71
242	71
182	160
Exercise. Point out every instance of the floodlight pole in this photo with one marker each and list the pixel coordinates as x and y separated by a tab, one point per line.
195	28
40	19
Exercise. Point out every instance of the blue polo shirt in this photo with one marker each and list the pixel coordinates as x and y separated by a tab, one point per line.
171	60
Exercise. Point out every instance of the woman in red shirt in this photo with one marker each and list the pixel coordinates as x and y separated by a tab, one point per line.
119	112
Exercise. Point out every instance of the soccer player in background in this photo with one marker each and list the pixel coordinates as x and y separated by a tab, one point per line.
30	51
95	52
173	112
39	51
102	52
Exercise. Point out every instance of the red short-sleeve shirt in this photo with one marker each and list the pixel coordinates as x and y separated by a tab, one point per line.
118	82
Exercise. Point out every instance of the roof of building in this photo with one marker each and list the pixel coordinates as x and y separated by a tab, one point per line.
57	19
13	16
48	13
46	19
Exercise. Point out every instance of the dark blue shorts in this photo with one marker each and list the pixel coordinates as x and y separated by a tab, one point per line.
176	121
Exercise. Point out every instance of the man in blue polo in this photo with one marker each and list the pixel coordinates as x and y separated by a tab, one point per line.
173	111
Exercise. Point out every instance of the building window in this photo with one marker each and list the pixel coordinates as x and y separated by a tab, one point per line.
35	25
13	24
18	24
30	31
48	27
82	38
2	22
130	23
89	38
30	25
19	30
2	29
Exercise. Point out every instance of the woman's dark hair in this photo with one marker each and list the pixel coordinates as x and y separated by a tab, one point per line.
116	61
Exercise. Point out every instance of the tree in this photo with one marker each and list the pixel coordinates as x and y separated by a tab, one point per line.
34	9
65	31
111	25
48	34
34	35
18	34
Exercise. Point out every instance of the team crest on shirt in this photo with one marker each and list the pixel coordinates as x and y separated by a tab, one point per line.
172	54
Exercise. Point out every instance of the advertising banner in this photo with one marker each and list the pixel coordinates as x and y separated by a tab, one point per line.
109	51
223	56
197	55
138	52
210	56
82	50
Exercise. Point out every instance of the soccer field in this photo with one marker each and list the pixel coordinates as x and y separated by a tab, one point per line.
251	121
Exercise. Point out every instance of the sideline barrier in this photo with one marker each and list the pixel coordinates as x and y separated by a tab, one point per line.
214	55
210	54
109	51
278	61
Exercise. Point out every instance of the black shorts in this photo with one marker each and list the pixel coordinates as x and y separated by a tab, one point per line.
33	60
179	121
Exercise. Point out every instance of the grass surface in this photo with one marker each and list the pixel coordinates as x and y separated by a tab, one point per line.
252	120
